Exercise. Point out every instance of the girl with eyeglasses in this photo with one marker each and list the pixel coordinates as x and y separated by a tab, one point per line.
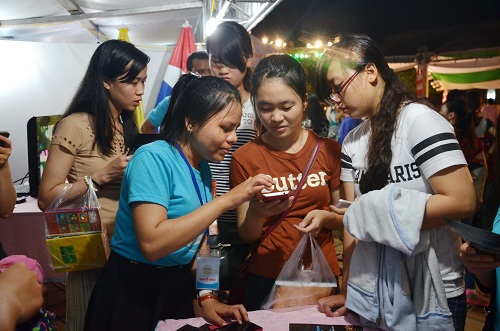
406	143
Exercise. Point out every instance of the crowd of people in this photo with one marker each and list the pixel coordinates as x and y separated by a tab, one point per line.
402	163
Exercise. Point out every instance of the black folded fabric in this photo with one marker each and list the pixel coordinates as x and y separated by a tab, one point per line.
483	240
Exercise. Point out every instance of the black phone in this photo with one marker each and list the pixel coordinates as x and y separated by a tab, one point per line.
6	135
246	326
187	327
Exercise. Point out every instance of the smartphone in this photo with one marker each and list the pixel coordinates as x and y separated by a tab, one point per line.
188	327
343	203
266	197
246	326
6	135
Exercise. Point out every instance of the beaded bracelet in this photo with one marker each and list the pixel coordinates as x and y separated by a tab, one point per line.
205	297
90	182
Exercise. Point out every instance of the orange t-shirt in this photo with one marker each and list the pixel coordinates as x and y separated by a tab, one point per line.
257	157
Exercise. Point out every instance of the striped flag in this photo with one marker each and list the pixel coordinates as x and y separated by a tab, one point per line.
138	112
177	65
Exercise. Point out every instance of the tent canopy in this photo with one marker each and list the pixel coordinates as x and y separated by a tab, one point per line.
150	22
479	73
473	69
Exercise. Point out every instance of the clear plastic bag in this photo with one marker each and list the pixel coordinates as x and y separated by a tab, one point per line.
73	231
299	286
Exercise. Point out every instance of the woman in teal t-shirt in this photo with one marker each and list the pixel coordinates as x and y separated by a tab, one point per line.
165	207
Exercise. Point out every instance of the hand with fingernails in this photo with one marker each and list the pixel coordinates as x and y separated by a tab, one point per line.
113	171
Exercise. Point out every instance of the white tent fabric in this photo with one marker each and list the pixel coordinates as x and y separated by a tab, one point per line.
465	74
480	73
43	20
150	22
402	66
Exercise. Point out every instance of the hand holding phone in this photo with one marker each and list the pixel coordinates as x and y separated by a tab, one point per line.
343	203
6	135
266	197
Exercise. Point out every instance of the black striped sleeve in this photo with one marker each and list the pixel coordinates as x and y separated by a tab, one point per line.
345	161
435	147
430	141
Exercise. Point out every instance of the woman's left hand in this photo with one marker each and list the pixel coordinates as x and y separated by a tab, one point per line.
476	262
313	222
215	310
263	209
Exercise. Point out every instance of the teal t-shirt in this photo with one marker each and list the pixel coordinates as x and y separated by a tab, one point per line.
496	229
158	174
157	114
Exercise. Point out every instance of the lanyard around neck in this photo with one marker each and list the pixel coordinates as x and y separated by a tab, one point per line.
195	183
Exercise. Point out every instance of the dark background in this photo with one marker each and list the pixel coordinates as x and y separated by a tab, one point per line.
400	27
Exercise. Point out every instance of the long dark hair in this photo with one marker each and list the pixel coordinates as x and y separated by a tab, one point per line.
355	52
464	125
231	44
112	59
283	67
200	100
316	113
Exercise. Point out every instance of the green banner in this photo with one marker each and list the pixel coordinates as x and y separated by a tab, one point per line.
471	77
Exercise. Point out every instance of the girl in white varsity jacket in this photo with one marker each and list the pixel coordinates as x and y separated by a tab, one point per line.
403	141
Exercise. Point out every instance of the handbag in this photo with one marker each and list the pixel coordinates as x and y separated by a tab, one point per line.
73	231
239	284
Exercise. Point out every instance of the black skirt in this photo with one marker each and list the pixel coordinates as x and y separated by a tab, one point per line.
131	295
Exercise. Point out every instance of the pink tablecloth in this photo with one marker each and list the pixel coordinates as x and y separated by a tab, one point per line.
23	233
271	320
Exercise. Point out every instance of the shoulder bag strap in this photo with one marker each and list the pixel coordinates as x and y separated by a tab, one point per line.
295	195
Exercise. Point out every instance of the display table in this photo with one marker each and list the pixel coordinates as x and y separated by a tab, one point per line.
23	233
272	320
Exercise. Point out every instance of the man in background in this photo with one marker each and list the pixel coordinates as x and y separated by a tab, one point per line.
197	63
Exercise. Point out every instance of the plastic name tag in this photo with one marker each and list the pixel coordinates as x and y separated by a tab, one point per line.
207	271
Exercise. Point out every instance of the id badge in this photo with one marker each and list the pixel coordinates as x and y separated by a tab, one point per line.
207	271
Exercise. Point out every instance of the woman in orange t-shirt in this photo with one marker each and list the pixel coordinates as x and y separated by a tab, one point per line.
282	151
